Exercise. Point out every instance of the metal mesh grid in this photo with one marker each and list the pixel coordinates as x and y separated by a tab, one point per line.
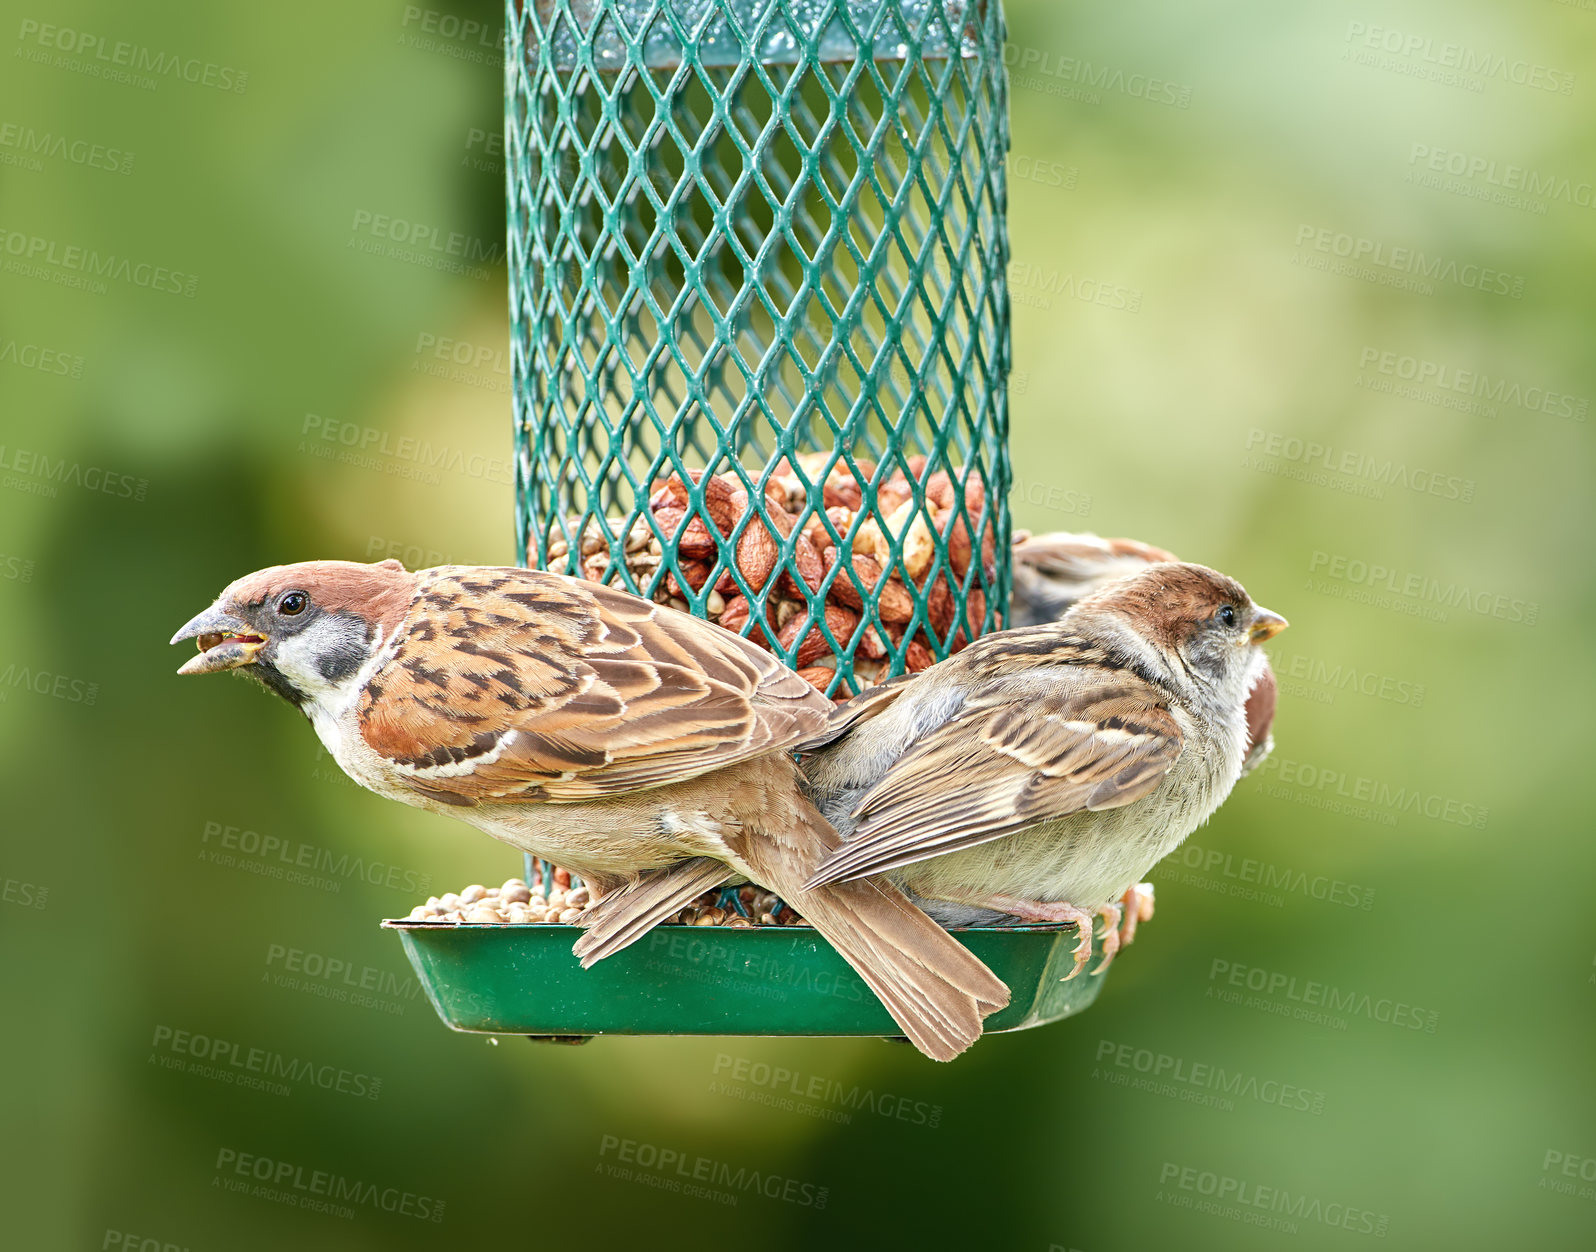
746	230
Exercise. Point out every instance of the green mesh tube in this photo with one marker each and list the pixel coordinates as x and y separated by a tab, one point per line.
742	231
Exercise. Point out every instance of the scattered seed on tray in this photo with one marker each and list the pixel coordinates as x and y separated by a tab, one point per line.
515	903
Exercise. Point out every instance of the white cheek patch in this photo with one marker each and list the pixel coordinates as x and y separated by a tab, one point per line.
298	659
297	656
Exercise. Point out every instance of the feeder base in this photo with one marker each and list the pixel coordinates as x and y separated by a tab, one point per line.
704	980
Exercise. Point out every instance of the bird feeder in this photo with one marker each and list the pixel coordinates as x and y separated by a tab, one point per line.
760	344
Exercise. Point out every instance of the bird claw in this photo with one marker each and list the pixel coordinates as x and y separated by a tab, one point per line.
1059	911
1138	906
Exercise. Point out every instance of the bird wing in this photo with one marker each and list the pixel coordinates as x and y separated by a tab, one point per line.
869	703
1003	764
520	685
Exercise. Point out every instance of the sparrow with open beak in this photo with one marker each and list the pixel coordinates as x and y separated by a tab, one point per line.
1042	771
590	727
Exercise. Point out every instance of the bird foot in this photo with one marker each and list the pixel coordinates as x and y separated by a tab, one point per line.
1138	906
1084	920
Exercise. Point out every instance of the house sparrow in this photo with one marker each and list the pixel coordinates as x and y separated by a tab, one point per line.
1052	572
1042	771
590	727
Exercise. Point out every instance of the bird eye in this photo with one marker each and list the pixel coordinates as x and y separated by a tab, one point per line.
294	602
1226	616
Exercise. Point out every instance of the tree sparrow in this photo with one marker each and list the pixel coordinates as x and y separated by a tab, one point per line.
1052	572
587	726
1042	771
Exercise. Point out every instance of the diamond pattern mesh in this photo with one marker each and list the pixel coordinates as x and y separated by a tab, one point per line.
746	230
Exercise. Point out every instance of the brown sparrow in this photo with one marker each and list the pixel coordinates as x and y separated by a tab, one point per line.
1052	572
1042	771
595	729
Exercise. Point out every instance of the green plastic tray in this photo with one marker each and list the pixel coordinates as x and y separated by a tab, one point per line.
708	980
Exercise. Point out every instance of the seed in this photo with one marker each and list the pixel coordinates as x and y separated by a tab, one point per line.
449	901
569	916
484	913
515	891
715	604
473	893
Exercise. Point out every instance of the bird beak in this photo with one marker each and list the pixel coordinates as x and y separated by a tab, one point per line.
1266	625
224	642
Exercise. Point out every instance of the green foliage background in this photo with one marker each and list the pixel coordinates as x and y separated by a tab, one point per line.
1153	423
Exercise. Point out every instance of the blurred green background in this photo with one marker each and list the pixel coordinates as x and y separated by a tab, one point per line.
1400	463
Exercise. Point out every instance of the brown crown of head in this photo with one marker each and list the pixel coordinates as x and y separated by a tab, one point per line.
1169	601
380	593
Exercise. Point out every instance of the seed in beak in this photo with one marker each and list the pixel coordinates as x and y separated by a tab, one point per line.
213	638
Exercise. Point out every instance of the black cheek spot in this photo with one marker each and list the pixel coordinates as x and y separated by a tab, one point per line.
341	662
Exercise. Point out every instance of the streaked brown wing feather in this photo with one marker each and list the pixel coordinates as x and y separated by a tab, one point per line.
511	684
1003	765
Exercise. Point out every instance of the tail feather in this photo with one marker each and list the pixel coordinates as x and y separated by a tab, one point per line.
935	989
623	917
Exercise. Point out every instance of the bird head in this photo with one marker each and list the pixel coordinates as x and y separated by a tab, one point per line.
303	630
1196	621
